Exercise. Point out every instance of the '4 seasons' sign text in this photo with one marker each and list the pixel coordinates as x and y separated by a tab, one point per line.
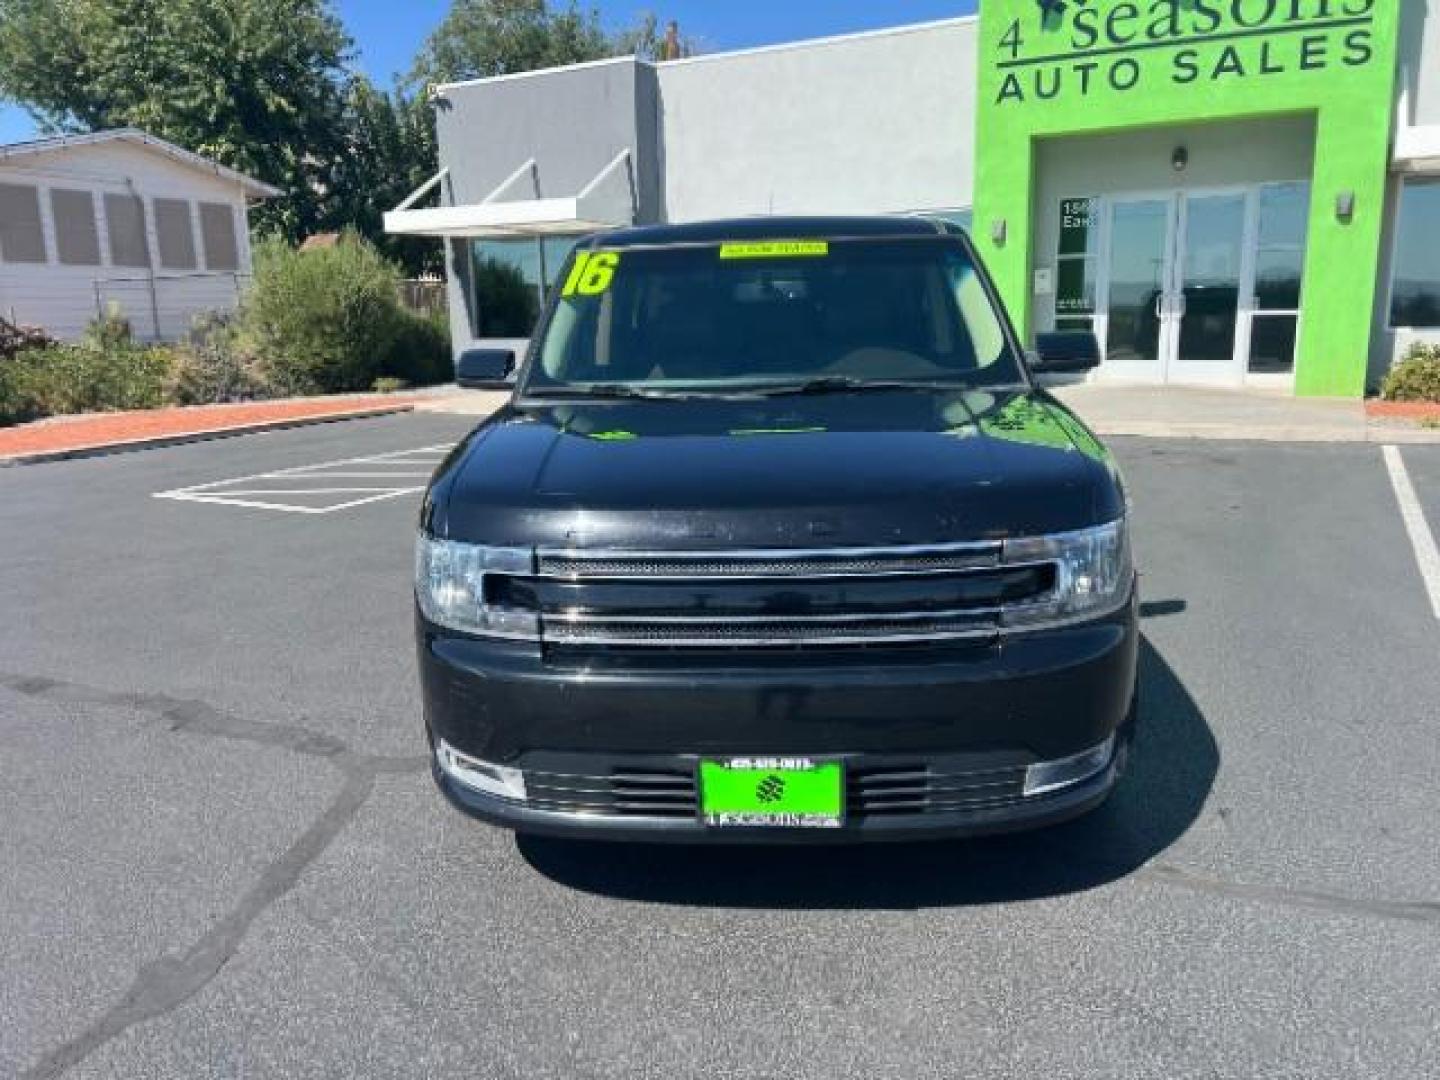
1073	48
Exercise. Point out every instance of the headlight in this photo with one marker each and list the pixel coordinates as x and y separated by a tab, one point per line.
450	588
1093	571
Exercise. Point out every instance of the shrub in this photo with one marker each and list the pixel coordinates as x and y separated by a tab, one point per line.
62	379
215	364
111	331
15	338
388	384
1416	377
324	320
421	352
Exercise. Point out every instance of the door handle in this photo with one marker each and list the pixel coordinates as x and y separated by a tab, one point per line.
1159	305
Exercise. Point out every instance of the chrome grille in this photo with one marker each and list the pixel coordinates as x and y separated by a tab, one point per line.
623	792
651	790
778	631
773	598
933	790
739	564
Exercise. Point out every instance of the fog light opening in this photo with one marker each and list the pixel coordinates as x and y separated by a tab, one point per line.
480	775
1048	776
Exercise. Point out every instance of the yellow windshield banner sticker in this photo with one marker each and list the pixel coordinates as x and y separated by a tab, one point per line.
592	274
776	249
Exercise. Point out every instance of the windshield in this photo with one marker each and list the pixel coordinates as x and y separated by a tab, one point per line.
758	316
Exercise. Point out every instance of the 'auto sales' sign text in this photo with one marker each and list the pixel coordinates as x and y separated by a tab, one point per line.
1083	46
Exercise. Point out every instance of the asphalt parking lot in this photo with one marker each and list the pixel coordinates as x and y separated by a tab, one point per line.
222	854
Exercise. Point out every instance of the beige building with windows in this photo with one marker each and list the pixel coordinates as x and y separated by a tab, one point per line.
125	219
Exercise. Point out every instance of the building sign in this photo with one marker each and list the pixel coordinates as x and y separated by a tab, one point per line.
1077	225
1073	49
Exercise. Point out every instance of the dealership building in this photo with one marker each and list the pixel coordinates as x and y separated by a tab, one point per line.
1229	193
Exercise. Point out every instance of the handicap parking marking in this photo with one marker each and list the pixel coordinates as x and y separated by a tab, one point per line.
324	487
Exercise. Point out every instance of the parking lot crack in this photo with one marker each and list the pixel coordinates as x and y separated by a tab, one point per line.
1421	911
184	715
165	985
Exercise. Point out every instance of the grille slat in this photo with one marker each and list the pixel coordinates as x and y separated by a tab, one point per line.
849	562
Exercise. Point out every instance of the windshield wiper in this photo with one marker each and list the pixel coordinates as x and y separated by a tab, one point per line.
604	390
831	384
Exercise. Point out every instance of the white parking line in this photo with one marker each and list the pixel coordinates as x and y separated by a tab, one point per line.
302	483
1427	554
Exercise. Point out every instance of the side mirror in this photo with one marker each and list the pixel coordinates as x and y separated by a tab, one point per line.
485	369
1067	353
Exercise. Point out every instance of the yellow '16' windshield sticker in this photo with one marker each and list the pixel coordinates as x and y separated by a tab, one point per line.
592	274
776	249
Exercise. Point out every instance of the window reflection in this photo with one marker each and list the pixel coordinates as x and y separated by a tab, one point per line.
1415	292
512	279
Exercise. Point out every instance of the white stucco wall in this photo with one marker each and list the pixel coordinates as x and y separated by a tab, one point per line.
880	122
1419	61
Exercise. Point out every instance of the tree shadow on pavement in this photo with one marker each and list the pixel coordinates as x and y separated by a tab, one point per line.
1171	772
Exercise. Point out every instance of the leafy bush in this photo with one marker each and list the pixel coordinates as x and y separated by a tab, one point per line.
324	320
421	352
111	331
388	384
215	364
62	379
15	338
1416	377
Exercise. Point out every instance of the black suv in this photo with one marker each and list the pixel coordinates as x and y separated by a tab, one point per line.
777	540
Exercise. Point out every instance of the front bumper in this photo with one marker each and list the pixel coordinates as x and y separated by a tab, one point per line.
936	743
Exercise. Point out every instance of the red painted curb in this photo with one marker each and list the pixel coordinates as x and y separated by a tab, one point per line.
122	446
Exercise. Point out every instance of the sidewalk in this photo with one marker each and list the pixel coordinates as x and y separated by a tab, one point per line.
62	437
1176	412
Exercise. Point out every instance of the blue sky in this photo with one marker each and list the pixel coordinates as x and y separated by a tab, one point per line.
387	34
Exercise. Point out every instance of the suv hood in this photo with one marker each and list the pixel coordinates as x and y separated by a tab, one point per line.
837	469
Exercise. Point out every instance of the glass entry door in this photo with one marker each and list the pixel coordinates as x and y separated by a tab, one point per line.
1174	304
1138	330
1205	294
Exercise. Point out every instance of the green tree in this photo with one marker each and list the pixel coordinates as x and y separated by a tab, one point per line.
389	152
646	39
480	38
258	85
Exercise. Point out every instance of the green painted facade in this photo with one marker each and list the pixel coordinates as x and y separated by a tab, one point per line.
1066	67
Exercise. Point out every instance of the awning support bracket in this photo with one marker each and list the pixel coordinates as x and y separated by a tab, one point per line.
424	189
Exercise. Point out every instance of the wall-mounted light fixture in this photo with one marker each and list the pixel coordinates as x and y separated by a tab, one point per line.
997	232
1345	206
1179	159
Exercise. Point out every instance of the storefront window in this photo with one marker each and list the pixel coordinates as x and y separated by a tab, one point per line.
1415	291
512	279
1279	268
1077	263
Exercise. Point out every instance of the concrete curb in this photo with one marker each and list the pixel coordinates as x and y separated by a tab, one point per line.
156	442
1299	433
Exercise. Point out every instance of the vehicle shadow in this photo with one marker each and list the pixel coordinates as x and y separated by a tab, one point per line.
1171	773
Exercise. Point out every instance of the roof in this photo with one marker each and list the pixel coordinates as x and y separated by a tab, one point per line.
146	141
704	58
769	228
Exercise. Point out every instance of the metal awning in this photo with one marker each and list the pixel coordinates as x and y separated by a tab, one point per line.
606	202
1417	149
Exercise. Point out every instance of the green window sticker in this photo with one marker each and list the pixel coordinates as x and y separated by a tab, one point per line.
592	274
776	249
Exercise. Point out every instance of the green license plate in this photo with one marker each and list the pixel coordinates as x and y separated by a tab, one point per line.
772	792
